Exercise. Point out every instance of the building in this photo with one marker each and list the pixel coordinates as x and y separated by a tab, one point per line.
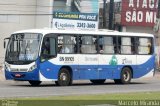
23	14
136	16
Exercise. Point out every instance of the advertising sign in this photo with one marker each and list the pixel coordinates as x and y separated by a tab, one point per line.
75	14
75	20
139	12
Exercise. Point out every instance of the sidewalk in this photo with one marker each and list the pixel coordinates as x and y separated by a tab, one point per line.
157	74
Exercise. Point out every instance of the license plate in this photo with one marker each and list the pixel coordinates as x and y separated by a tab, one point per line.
18	75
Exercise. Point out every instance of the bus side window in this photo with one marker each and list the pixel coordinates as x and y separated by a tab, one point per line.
66	44
106	44
126	45
46	46
88	44
145	46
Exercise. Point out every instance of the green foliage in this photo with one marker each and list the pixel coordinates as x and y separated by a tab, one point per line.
83	100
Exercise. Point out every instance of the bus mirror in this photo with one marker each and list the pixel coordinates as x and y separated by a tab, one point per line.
4	44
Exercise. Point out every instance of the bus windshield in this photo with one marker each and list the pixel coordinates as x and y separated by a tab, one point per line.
23	48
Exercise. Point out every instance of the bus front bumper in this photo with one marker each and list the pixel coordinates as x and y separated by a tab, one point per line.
22	76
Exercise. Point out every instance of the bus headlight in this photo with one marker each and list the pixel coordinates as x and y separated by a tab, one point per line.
33	67
7	67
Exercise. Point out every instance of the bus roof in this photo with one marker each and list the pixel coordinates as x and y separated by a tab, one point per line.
97	32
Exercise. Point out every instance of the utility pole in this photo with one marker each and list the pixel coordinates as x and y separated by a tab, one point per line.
104	14
158	34
158	16
111	10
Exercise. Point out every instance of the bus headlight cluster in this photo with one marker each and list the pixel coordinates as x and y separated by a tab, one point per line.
7	67
33	67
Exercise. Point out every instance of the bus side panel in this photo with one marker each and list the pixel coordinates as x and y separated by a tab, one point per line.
145	65
107	71
88	72
75	72
107	66
88	66
48	71
141	65
110	66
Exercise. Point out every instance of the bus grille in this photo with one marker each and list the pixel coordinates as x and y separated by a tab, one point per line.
18	70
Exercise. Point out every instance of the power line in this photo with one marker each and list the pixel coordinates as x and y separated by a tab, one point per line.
111	9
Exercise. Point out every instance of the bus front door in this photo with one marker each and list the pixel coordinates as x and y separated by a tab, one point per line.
47	58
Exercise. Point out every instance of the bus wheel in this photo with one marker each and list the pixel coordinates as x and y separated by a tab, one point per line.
126	76
35	83
64	78
101	81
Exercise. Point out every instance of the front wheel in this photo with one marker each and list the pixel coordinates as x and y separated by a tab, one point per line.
125	77
64	78
100	81
35	83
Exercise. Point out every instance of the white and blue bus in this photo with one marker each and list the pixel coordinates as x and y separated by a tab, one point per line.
64	55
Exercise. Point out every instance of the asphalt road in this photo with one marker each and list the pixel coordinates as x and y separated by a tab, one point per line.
23	89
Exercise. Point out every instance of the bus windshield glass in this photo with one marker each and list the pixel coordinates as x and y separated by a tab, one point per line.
23	48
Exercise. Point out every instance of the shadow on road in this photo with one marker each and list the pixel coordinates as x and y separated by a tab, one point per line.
25	84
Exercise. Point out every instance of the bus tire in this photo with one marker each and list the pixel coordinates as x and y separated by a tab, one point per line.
35	83
64	78
100	81
126	76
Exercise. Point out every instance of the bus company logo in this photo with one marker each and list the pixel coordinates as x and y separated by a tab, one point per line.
66	59
126	61
59	25
113	60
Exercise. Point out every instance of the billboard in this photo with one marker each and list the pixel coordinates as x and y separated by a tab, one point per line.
75	21
139	12
75	14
